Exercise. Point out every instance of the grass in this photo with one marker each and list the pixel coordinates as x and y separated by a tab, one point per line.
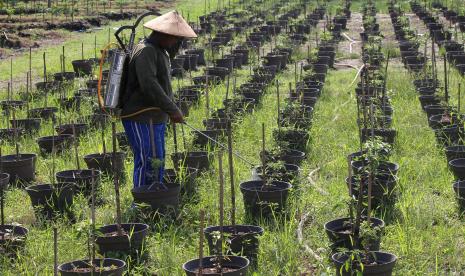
424	231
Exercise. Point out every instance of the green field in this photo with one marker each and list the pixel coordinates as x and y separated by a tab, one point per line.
424	229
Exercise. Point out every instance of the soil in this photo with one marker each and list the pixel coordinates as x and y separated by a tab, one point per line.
344	230
115	233
90	269
214	270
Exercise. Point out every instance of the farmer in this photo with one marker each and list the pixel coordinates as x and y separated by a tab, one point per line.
148	99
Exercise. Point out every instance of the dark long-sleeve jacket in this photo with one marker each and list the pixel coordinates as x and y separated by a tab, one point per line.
148	85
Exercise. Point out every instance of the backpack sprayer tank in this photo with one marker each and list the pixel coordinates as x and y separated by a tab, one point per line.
119	63
115	79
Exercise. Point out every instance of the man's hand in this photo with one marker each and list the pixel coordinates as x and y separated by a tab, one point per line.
177	117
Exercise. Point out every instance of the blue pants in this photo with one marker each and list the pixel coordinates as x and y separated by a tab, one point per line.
148	169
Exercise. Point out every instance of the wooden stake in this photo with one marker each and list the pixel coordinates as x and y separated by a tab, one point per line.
82	50
116	182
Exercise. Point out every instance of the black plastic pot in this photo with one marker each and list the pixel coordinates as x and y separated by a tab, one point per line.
292	156
4	180
384	168
122	140
10	134
264	201
45	113
288	173
64	76
82	67
50	201
200	55
243	240
450	135
71	103
185	177
382	188
104	162
439	121
457	166
459	189
202	141
58	142
386	135
216	123
114	267
158	200
239	266
338	231
30	125
219	72
7	105
190	61
193	159
15	241
82	178
21	168
79	128
455	152
132	242
48	86
384	267
293	139
426	100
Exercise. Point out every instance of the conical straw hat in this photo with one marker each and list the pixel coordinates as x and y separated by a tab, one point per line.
171	23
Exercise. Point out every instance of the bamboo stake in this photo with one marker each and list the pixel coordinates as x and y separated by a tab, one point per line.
183	138
116	182
446	81
263	157
221	199
11	73
459	98
2	200
92	215
76	153
45	68
55	251
207	98
102	132
64	59
231	175
279	109
201	226
30	66
15	133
